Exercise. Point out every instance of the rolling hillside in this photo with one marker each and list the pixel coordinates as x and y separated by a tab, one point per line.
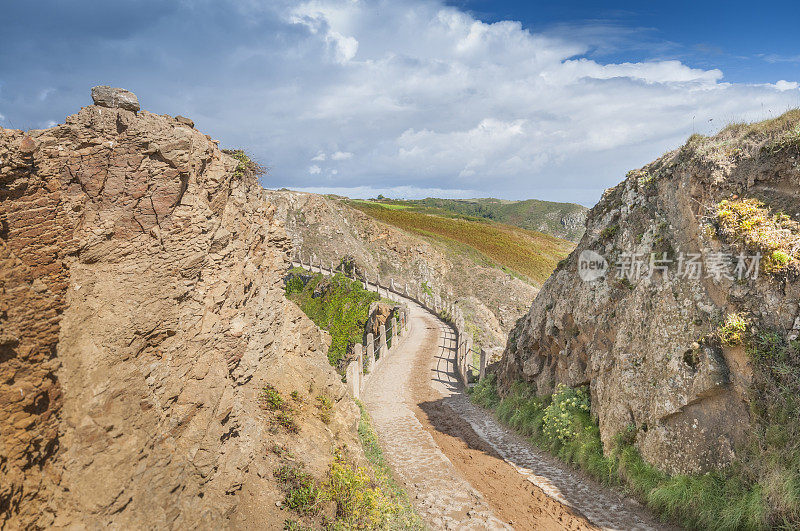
527	253
563	220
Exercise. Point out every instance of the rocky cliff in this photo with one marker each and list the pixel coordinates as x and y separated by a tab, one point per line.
680	261
141	314
327	229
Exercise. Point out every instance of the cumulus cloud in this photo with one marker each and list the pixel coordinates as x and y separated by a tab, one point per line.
420	93
341	155
455	101
786	85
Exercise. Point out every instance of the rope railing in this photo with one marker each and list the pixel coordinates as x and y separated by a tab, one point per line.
377	348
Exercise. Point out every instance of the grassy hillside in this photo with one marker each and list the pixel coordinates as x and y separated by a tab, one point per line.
563	220
527	253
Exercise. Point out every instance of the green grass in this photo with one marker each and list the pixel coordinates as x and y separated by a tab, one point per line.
761	491
282	413
300	488
530	254
335	304
404	516
360	497
733	330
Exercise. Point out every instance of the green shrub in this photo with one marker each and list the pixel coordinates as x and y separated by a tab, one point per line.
734	330
302	494
338	305
271	399
286	420
563	418
294	285
292	525
358	501
608	232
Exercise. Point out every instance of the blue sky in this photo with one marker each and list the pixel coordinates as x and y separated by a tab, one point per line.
422	97
749	41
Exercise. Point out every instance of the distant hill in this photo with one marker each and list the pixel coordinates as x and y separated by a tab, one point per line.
564	220
529	253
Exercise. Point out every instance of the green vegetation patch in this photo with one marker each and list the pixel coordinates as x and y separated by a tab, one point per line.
402	515
282	413
530	254
760	491
733	330
350	496
336	304
749	222
246	166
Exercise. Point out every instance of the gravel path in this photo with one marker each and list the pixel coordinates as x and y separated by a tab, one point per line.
461	468
441	496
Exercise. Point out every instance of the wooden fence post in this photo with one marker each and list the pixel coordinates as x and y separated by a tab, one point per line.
467	357
370	353
382	342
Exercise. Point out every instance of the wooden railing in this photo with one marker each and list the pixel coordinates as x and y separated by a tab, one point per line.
372	351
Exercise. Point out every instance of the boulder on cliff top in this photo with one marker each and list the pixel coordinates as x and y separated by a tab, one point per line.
106	96
185	121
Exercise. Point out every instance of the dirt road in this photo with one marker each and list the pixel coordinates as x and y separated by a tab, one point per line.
460	467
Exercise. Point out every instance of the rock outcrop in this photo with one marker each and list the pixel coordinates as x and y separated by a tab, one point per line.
115	98
649	344
141	313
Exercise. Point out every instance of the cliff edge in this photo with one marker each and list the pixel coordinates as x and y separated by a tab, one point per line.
141	315
679	307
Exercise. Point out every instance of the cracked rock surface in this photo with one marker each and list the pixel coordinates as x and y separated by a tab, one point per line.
141	313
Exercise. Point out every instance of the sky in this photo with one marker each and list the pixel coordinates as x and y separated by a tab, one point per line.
460	98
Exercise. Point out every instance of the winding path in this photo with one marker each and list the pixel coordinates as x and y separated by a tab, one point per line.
461	468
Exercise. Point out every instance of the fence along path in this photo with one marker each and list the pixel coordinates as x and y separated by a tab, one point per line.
375	348
443	497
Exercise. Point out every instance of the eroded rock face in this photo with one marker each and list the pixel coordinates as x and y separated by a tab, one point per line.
141	313
646	346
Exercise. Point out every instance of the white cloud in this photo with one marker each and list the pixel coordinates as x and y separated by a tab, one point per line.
786	85
320	18
430	97
341	155
433	98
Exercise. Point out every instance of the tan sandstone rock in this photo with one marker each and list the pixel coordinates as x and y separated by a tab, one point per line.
141	313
